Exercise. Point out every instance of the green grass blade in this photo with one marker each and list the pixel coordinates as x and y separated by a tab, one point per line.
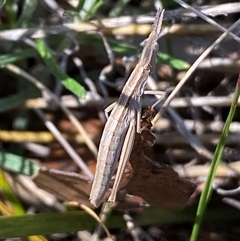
11	14
9	194
18	164
29	6
18	55
175	63
129	50
68	82
89	8
16	205
14	101
206	194
117	9
47	223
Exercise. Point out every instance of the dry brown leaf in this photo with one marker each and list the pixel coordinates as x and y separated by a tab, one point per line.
159	185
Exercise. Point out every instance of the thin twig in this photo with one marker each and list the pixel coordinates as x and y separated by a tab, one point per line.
207	19
68	148
107	24
197	101
72	118
232	202
192	69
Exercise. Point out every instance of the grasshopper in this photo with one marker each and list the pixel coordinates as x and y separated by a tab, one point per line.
124	121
